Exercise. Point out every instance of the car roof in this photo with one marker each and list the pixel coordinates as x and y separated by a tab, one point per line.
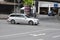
17	14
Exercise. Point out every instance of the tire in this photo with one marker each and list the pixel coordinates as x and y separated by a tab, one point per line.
36	24
30	22
12	21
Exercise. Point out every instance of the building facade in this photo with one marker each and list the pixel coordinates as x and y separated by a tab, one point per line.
44	6
7	6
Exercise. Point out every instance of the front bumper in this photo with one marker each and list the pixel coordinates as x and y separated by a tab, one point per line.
36	22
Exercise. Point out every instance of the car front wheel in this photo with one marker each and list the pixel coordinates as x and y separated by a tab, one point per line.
30	22
12	21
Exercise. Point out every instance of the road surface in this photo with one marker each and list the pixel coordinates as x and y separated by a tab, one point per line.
47	30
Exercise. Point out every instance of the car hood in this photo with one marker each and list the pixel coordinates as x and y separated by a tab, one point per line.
33	18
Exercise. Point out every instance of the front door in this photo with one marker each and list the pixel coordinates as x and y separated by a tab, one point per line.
21	19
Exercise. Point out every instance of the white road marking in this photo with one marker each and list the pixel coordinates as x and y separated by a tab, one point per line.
40	39
20	33
26	33
42	34
34	35
56	36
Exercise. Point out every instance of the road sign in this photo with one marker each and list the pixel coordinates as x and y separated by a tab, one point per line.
56	5
27	9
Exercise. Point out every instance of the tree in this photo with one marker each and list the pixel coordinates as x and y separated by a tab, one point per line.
28	2
27	5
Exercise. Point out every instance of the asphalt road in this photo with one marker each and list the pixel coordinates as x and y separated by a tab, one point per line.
46	30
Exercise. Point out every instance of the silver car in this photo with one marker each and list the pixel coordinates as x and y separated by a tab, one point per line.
22	18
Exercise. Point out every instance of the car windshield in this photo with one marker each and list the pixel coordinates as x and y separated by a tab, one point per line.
28	16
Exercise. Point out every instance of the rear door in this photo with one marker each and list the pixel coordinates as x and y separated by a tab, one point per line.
23	19
20	18
12	17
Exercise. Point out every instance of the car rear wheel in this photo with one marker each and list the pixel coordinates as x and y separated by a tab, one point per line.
12	21
30	22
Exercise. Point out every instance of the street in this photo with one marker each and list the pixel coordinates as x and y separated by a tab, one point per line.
46	30
42	15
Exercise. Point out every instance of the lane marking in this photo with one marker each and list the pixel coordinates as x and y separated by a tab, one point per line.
40	39
56	36
41	34
20	33
26	33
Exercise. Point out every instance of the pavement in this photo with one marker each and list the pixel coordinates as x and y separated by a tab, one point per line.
3	16
48	18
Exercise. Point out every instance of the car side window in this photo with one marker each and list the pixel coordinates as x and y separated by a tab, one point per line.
19	16
12	15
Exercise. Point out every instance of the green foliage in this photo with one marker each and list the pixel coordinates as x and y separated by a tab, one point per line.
28	2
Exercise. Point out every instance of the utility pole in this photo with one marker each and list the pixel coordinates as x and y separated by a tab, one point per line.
14	6
18	5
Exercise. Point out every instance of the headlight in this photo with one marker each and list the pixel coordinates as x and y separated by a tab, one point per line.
35	20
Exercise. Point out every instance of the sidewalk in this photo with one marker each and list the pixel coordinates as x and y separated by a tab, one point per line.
48	18
3	16
40	17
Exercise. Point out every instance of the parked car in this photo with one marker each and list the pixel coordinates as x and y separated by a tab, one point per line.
22	18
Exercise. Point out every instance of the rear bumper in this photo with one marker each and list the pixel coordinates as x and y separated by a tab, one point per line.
8	20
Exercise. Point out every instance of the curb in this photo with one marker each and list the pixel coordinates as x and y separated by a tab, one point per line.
3	18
